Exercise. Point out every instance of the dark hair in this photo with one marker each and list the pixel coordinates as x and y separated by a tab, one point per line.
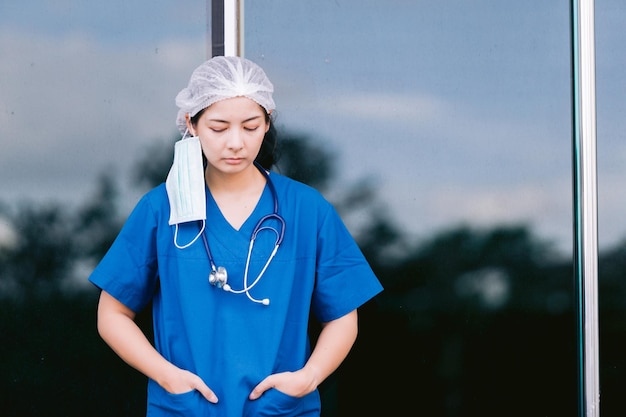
268	154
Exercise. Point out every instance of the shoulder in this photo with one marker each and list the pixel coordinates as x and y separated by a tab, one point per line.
303	202
292	189
153	203
156	195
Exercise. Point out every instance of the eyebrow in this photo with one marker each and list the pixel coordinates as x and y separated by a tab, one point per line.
244	121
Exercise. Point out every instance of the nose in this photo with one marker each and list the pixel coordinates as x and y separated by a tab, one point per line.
235	139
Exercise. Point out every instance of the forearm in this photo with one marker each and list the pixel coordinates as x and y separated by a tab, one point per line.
116	325
118	329
333	345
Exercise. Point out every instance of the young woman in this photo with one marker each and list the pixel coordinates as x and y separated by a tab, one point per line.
234	258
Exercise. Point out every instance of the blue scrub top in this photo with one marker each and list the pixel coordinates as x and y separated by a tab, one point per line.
231	342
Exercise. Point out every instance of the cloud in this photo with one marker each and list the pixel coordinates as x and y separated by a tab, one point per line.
418	109
478	132
424	208
71	106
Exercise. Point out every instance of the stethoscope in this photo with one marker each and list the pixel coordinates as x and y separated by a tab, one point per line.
219	276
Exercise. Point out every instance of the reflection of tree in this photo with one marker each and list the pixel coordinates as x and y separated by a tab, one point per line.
301	160
41	257
471	322
483	270
476	304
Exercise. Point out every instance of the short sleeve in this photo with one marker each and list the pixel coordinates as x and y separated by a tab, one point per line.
344	278
128	271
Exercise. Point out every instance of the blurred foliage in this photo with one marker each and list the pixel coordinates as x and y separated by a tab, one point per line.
472	321
152	167
300	159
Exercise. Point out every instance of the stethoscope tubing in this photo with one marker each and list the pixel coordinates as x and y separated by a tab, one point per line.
257	229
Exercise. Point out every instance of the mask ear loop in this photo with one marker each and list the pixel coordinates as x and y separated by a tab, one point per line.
176	229
190	243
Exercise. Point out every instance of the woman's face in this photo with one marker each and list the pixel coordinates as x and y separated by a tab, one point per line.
231	132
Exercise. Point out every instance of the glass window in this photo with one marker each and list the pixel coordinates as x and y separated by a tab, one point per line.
456	118
86	87
86	91
442	132
611	106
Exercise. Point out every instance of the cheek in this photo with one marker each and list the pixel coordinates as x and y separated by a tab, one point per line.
208	146
258	140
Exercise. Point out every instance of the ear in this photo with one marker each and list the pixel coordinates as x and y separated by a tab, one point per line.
189	125
267	127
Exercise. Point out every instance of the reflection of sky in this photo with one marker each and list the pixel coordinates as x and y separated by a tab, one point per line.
460	110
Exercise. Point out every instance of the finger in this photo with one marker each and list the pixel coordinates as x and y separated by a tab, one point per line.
206	392
259	389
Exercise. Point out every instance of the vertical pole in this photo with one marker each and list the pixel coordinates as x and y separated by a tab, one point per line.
233	27
585	203
226	19
216	19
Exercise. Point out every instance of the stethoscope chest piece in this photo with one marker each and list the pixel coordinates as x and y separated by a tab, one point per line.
218	277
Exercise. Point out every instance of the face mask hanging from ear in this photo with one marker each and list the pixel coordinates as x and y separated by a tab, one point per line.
185	185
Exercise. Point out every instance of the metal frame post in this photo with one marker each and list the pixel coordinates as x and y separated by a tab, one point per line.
585	203
226	22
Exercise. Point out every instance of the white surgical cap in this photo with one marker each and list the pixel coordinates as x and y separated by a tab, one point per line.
220	78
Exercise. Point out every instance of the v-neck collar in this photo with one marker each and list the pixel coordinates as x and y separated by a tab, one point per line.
218	224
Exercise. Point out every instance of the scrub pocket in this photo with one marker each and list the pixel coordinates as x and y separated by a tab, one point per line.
274	403
192	403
